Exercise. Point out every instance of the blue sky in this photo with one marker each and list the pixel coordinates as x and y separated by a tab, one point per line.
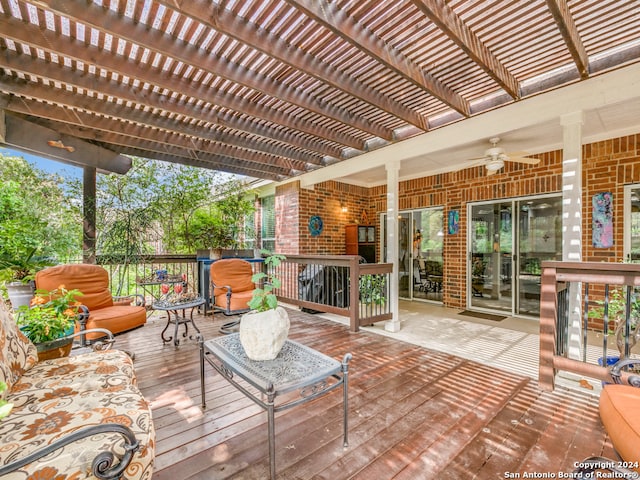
49	166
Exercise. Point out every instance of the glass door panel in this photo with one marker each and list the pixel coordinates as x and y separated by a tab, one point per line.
632	214
539	239
491	256
427	254
404	255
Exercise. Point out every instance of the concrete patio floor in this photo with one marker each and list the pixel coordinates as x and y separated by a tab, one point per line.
511	344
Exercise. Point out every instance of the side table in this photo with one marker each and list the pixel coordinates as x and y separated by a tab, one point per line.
297	367
173	316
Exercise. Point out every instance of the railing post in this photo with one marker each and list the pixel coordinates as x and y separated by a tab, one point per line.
548	315
354	295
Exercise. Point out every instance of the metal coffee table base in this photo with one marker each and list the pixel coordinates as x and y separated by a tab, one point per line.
174	317
297	367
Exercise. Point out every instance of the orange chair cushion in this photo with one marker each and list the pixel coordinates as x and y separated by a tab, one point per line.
239	301
234	273
116	319
91	280
619	405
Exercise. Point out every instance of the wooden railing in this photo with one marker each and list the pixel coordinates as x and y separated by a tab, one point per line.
604	287
337	284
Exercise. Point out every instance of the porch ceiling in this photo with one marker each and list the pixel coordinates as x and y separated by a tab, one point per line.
277	88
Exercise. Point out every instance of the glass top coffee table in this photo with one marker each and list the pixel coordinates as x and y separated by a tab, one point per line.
296	368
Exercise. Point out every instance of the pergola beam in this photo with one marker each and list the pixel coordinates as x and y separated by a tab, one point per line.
156	41
147	74
446	19
347	28
31	137
564	20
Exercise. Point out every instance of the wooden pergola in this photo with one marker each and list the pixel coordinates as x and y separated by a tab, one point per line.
274	89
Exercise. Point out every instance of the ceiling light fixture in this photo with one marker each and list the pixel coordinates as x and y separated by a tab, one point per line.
494	164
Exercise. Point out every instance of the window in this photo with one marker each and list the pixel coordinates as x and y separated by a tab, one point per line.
268	232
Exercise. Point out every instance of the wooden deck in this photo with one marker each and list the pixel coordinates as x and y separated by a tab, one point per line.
414	414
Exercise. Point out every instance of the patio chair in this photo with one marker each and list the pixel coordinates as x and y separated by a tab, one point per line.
116	314
619	405
231	288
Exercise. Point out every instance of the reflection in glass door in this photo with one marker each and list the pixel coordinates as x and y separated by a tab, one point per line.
533	229
491	245
632	223
539	239
420	262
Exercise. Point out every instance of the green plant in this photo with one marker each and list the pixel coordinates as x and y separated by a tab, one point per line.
51	314
5	407
373	289
21	269
616	311
264	299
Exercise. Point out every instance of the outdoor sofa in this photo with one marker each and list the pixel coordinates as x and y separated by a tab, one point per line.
84	411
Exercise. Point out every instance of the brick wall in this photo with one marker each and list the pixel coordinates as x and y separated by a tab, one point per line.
607	166
324	200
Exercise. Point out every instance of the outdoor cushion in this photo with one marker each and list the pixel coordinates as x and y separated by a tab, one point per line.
17	353
54	398
93	282
619	406
235	274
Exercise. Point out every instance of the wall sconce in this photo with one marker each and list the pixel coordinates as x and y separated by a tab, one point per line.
343	208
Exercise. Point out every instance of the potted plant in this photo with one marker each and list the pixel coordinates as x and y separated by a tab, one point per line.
616	313
18	274
265	328
49	319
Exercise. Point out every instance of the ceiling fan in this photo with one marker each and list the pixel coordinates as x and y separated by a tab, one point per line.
494	157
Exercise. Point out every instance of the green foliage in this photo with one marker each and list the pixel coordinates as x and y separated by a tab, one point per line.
19	269
263	298
39	218
5	407
373	289
50	316
616	312
220	224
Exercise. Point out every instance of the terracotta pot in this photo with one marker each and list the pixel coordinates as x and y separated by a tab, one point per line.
262	334
58	348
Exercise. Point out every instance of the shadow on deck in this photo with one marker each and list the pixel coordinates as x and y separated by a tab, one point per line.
414	414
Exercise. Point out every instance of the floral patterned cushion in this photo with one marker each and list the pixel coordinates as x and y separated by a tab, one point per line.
109	371
17	353
54	398
29	429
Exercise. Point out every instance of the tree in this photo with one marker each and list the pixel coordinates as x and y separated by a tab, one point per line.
39	215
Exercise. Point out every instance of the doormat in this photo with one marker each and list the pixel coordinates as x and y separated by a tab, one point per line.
484	316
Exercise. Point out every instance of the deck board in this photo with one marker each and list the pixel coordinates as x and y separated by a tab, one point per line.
413	414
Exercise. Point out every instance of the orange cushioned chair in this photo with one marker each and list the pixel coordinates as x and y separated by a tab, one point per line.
619	407
231	285
93	282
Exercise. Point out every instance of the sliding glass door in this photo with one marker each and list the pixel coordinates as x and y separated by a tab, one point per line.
420	262
507	237
632	223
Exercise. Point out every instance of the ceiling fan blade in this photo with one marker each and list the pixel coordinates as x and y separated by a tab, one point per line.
528	160
491	172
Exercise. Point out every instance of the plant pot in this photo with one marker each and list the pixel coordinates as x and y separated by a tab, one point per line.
19	294
61	347
262	334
